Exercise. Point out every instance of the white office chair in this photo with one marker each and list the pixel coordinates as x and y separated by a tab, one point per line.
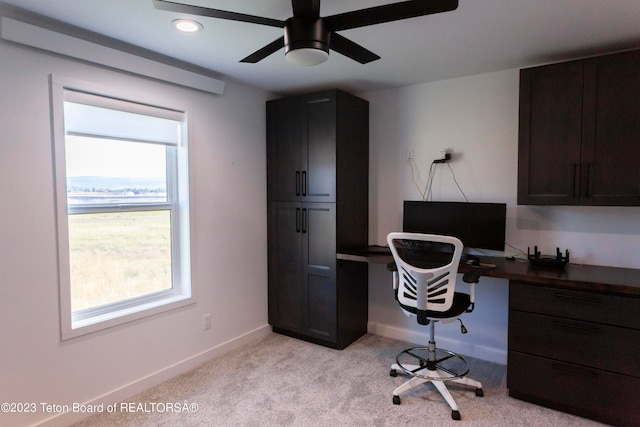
424	281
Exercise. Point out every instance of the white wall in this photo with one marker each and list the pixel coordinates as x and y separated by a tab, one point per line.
477	117
229	252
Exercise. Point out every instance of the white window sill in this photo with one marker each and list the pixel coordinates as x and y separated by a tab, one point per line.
98	322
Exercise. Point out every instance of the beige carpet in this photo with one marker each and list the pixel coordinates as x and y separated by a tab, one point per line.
281	381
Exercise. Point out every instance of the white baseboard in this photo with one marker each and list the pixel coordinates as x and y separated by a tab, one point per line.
122	393
459	346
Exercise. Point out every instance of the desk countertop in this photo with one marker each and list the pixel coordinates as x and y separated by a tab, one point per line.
612	280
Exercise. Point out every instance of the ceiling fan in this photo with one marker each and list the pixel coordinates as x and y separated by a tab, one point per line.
308	36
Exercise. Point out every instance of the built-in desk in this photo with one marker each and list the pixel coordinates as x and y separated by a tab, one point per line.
574	335
611	280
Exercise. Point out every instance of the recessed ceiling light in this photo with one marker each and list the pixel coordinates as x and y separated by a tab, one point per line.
187	25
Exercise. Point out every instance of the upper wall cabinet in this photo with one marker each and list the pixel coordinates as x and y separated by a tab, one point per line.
579	132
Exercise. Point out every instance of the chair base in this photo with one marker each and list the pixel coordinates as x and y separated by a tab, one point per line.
452	367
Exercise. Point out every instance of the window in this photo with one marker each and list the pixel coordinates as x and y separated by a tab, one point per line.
123	214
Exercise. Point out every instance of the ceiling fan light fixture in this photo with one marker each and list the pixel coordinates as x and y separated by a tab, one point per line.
306	41
307	56
187	25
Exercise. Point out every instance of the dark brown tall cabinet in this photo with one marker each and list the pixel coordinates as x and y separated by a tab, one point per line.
579	134
317	192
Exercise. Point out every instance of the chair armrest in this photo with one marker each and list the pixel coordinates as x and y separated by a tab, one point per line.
472	277
392	267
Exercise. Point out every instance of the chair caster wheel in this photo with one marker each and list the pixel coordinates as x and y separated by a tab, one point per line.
455	415
393	373
396	400
479	392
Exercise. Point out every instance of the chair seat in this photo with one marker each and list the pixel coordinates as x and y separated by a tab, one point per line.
461	303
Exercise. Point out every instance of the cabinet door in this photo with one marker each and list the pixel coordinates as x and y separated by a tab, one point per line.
319	153
302	269
550	134
284	149
301	148
611	130
285	266
319	269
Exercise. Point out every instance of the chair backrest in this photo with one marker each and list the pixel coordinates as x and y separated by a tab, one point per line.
427	270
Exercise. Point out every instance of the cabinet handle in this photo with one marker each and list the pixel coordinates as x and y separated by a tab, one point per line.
304	183
304	220
574	370
588	179
577	298
297	220
590	330
575	180
297	183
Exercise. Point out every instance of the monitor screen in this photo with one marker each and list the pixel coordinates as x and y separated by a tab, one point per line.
477	225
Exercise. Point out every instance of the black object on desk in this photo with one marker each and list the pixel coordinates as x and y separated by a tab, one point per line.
475	262
548	261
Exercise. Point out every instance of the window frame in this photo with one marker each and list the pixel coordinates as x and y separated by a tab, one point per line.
89	320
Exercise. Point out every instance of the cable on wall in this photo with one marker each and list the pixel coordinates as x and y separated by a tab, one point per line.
456	181
427	194
412	162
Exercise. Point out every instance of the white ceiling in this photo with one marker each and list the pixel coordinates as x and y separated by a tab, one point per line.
480	36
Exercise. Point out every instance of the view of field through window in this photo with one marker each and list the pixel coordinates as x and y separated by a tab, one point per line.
117	256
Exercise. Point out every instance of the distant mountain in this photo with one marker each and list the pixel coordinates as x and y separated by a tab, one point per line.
103	183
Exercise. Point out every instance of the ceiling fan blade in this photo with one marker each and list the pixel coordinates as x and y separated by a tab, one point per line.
388	13
260	54
306	8
215	13
351	49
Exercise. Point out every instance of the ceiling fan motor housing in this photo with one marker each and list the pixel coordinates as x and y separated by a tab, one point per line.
305	33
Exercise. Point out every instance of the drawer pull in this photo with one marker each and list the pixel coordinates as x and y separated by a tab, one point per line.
574	370
577	298
591	330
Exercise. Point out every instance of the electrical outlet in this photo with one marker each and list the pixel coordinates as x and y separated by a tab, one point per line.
446	153
410	155
206	322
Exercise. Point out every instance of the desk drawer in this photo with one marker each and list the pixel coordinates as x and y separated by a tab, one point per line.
588	306
589	344
592	393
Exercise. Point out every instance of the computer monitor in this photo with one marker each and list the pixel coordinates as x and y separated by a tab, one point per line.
477	225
